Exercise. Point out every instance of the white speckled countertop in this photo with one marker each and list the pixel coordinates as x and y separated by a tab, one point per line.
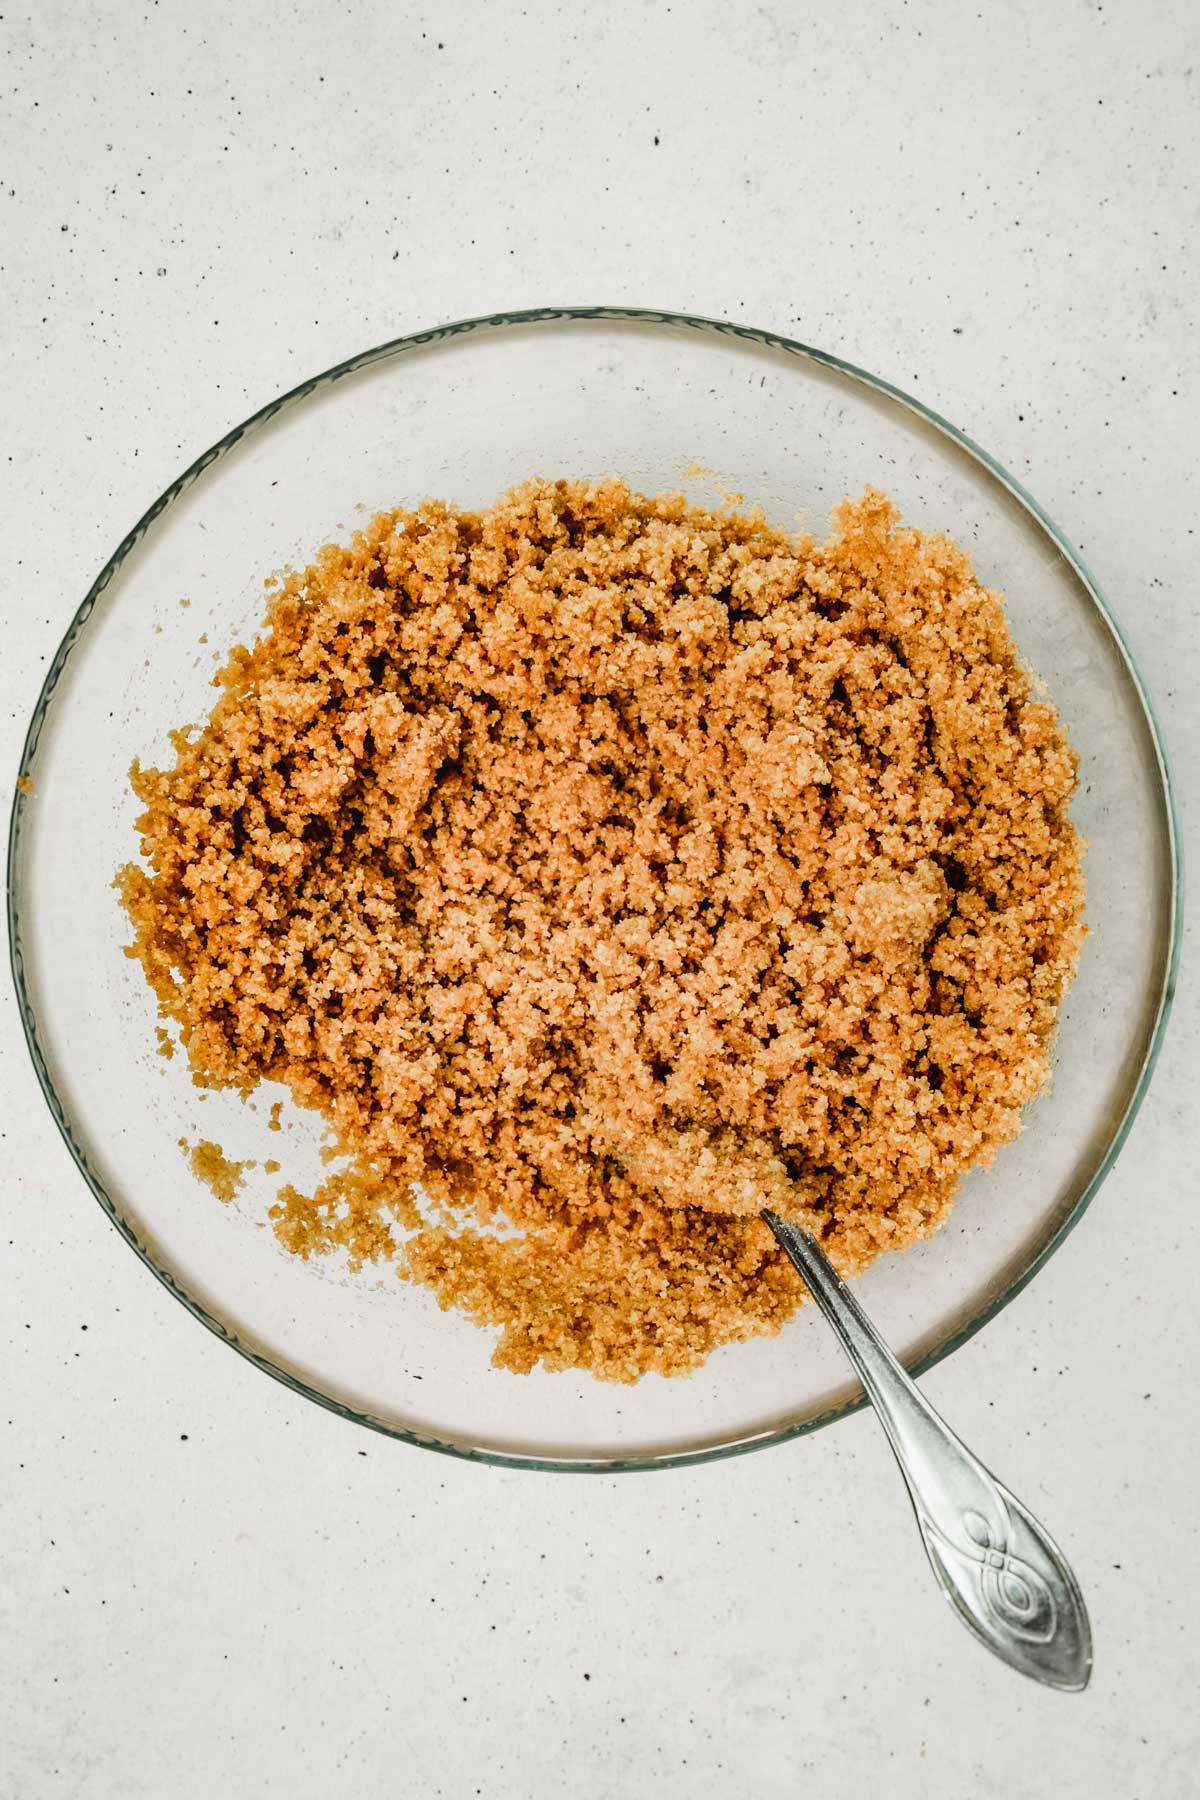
209	1586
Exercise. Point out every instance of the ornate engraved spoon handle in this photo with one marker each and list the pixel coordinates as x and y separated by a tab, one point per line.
1003	1574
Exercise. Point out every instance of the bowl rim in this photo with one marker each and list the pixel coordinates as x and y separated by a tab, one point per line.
728	1446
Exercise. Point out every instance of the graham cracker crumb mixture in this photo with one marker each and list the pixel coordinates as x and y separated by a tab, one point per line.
615	868
216	1170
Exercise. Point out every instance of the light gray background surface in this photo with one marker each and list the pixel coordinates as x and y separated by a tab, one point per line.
210	1587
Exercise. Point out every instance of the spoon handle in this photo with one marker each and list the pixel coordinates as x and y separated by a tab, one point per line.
1003	1574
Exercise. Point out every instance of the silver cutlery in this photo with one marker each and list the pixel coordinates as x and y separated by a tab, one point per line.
1000	1570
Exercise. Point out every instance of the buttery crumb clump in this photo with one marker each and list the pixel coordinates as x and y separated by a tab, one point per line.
613	868
216	1170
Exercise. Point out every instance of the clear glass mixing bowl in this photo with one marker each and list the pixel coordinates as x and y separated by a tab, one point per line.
462	413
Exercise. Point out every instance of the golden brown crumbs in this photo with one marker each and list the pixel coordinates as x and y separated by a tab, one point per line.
354	1210
165	1046
25	784
216	1170
273	1119
615	867
271	1166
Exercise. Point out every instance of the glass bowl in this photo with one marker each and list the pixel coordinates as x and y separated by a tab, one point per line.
462	413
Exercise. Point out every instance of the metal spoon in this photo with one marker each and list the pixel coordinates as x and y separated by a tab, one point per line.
1004	1575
